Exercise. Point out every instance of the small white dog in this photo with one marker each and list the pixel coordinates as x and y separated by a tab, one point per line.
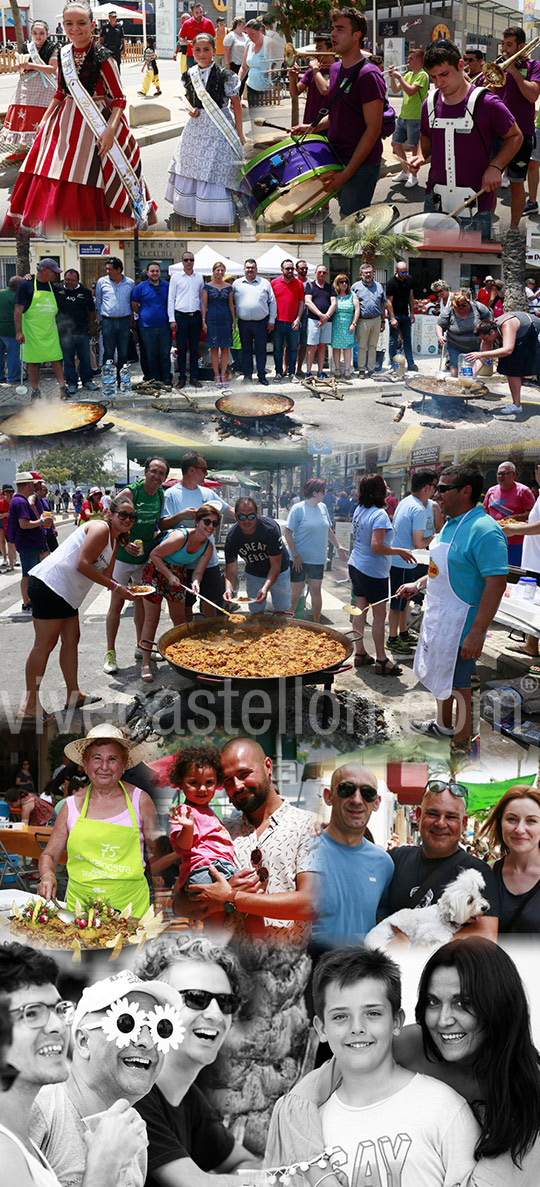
431	926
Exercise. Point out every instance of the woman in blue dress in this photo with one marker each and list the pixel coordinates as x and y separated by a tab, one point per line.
218	321
344	325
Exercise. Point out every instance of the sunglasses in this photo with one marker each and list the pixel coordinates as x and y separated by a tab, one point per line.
199	999
213	523
36	1014
257	863
448	486
188	260
126	515
461	304
250	515
436	786
346	789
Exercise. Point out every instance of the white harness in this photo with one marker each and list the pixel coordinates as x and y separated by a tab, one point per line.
451	194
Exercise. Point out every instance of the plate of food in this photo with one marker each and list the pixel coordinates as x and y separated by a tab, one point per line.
141	591
95	925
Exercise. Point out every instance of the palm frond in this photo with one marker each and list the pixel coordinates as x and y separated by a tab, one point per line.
357	242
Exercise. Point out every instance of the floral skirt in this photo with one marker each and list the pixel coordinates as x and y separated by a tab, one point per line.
152	576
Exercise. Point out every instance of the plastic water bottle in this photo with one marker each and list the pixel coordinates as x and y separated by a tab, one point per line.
527	588
399	364
108	380
465	371
125	380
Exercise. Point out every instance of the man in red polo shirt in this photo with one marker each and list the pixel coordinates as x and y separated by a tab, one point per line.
196	23
289	294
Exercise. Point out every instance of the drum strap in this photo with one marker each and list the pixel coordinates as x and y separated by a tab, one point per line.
93	117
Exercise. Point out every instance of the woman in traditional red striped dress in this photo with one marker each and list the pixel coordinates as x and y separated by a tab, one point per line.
32	93
82	173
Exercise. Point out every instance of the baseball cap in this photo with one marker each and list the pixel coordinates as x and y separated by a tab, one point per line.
95	490
24	476
103	993
48	263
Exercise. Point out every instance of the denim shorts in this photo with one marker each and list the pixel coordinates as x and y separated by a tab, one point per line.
406	130
463	671
318	334
308	573
203	877
358	191
30	557
279	592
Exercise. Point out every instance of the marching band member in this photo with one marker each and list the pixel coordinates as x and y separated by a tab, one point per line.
84	170
315	79
519	94
415	86
458	125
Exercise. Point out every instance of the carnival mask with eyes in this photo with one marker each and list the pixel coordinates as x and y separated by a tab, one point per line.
124	1022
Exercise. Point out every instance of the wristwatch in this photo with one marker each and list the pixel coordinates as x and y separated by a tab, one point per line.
230	907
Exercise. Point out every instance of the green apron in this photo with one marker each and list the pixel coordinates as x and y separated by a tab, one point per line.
105	859
41	341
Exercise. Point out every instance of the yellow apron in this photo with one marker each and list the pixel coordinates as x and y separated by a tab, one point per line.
104	859
41	341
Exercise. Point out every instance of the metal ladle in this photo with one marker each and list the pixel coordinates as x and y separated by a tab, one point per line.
21	390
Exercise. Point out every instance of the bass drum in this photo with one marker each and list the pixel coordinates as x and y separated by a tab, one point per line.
283	182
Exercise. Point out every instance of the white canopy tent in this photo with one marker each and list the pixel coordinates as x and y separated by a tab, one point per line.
205	260
270	263
103	11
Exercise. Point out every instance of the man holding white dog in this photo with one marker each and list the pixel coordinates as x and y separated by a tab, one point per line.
423	872
352	872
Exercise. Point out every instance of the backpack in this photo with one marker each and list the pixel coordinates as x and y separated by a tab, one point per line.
472	99
389	115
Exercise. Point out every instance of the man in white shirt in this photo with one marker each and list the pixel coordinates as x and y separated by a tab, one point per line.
185	317
256	312
181	503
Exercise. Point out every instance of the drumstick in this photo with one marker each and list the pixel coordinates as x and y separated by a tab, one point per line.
266	124
464	204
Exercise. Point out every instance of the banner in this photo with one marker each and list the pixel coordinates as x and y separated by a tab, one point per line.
528	15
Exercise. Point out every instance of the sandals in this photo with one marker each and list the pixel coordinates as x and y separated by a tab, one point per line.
362	659
382	669
148	647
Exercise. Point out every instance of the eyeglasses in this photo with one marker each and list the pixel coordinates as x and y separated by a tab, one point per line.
199	999
436	786
36	1014
210	523
188	260
257	863
126	515
448	486
346	789
250	515
204	468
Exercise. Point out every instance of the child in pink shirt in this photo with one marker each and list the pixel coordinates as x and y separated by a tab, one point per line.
197	834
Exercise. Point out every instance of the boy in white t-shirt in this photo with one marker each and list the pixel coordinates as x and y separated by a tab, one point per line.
387	1125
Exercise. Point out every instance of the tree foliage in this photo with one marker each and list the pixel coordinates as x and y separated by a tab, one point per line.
81	465
356	239
291	15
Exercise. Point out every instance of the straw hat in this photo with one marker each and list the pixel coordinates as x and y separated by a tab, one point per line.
106	733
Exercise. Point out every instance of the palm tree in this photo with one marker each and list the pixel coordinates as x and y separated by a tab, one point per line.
360	239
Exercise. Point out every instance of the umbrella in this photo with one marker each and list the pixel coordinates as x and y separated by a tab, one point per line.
205	260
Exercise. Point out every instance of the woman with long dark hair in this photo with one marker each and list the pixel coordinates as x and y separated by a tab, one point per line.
513	829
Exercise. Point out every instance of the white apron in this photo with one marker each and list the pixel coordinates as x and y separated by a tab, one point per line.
444	618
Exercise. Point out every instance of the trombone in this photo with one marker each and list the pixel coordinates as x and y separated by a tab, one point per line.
290	54
494	72
404	66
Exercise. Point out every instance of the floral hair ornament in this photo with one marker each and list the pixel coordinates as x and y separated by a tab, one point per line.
124	1021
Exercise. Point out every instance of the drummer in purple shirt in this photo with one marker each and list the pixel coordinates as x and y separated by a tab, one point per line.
354	122
519	95
315	80
471	117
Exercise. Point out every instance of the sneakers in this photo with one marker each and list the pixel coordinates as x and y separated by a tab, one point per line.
403	176
322	375
26	607
508	409
530	207
411	181
399	645
505	181
90	387
65	393
430	729
409	638
110	664
71	388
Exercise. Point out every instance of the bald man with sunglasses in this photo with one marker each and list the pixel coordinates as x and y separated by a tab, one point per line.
353	873
422	873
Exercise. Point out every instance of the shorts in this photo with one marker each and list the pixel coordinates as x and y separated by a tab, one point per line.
30	557
152	576
46	603
406	130
302	333
517	167
373	589
202	876
535	155
211	586
123	570
307	573
318	334
399	576
463	671
279	592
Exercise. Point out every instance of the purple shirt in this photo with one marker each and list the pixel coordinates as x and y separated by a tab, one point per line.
20	508
522	109
346	121
474	148
314	99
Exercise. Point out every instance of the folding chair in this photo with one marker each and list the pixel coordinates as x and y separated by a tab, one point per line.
9	870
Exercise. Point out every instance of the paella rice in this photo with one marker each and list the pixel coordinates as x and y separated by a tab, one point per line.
258	650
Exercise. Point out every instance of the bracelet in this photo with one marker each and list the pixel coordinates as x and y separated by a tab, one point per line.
492	166
113	586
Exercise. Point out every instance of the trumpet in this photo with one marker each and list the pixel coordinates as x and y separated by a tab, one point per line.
404	66
494	72
290	54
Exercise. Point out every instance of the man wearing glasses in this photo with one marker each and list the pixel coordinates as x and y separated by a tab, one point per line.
256	311
422	872
35	1058
353	873
257	539
185	317
181	503
474	63
321	303
147	497
121	1029
466	579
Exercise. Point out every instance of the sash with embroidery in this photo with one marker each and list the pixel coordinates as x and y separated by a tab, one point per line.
216	114
93	117
33	53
